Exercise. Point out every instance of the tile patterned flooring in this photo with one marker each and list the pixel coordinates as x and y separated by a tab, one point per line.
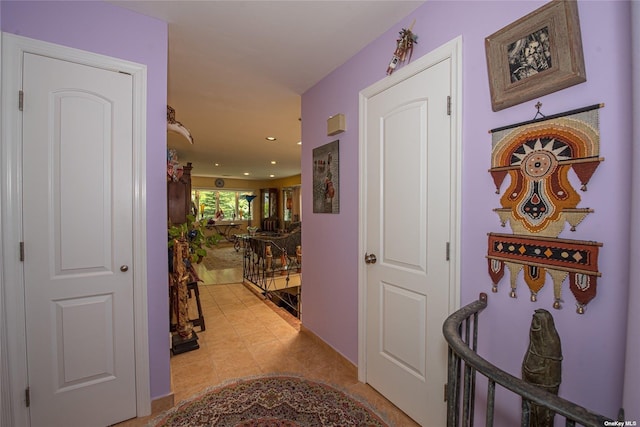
247	336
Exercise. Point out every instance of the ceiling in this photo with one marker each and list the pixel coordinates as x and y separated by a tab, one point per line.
237	70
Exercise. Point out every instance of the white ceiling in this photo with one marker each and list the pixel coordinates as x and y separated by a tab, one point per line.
237	70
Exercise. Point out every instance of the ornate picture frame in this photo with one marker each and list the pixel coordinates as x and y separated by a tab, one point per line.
536	55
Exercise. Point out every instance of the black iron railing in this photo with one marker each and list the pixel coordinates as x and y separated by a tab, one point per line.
461	332
277	274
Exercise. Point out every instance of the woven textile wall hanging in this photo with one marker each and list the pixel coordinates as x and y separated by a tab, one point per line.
540	201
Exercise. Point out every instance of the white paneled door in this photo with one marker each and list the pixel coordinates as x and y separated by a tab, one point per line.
408	221
77	219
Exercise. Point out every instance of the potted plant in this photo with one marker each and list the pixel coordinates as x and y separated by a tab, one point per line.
193	232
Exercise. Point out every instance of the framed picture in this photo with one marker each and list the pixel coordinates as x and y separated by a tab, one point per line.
538	54
326	178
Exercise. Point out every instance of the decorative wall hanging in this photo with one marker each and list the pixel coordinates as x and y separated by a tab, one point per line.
404	48
536	55
326	178
540	201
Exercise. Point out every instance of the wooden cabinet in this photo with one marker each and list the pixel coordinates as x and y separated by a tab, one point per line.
179	197
269	203
269	210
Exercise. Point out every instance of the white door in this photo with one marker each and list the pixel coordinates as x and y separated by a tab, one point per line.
77	201
408	222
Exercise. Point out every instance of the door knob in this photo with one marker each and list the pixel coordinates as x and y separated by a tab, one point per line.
124	268
370	258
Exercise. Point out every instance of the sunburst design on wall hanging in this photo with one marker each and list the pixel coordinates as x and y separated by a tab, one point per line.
540	200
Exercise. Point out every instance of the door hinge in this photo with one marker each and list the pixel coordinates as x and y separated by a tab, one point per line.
21	251
448	105
20	100
27	397
448	251
446	391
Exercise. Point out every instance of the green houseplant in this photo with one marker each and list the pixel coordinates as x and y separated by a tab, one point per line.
193	232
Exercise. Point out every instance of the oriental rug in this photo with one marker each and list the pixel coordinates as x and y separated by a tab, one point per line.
222	256
271	401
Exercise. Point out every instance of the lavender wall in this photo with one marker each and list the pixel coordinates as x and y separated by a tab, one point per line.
109	30
593	344
632	363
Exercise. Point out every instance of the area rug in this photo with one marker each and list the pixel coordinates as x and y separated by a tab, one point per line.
222	256
271	401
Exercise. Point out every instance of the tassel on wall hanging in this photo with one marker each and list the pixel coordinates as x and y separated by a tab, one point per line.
404	48
540	201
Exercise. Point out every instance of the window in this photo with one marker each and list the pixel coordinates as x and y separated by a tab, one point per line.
221	204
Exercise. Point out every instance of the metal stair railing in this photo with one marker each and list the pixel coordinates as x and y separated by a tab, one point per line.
259	272
461	332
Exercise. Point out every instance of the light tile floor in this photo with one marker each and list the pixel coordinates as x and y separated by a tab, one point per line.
247	336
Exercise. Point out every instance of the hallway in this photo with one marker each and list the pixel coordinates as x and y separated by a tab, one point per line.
247	336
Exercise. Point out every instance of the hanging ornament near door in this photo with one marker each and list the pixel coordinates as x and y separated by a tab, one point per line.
404	47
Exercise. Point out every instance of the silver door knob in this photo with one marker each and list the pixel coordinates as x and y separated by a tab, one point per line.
370	258
124	268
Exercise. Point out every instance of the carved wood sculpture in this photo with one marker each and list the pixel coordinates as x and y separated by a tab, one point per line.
269	257
180	279
542	364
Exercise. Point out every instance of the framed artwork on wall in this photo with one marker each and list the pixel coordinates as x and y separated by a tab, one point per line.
326	178
536	55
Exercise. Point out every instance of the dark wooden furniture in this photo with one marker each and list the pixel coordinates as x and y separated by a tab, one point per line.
269	203
224	230
179	197
195	292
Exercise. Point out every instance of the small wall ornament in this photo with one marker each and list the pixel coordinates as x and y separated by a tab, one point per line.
538	155
404	48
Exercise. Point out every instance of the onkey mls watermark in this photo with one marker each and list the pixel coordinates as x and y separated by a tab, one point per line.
620	423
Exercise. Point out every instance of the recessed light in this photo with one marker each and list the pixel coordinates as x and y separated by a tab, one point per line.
299	142
270	138
216	164
246	173
273	162
271	176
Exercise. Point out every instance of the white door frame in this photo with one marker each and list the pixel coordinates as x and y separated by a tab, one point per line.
452	50
12	280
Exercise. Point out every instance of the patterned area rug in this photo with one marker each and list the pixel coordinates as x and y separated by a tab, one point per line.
274	401
222	256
